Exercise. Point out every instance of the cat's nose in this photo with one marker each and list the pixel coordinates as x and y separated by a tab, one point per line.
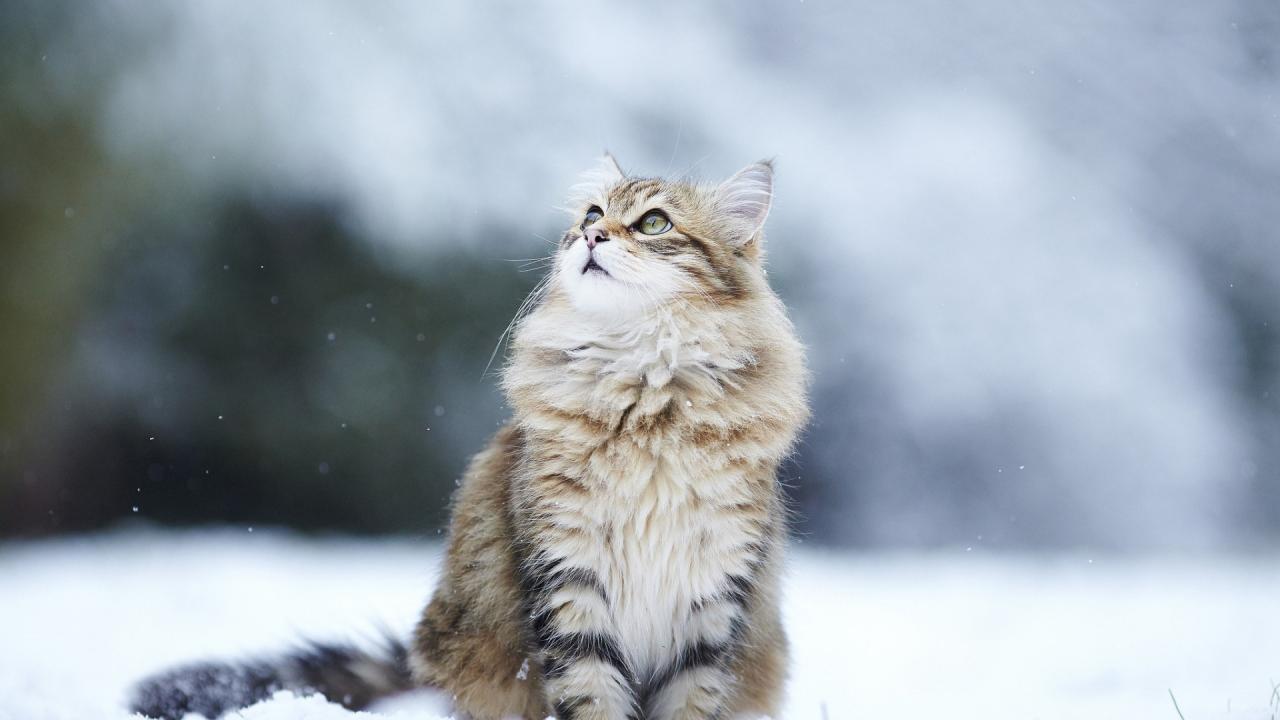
594	237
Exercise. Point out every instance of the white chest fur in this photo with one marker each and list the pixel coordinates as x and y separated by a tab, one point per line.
658	561
671	537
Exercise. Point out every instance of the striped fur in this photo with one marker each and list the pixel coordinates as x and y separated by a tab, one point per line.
344	674
615	551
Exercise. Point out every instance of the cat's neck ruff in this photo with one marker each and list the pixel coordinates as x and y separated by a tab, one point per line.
657	347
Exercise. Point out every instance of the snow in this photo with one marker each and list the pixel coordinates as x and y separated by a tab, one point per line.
946	634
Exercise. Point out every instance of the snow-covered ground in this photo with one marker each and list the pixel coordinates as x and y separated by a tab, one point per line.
955	635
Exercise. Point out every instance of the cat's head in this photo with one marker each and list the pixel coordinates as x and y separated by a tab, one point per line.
639	243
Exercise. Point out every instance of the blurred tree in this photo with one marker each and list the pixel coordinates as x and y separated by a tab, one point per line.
52	216
262	366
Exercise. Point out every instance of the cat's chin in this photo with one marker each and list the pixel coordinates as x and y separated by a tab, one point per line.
601	297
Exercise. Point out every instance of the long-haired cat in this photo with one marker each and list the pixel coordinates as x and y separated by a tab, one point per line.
615	551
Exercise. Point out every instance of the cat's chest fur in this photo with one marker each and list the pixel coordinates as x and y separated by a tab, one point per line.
660	551
666	497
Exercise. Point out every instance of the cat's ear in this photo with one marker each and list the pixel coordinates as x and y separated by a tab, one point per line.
743	201
593	186
605	173
608	165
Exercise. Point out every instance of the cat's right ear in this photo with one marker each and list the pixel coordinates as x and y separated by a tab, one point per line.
595	182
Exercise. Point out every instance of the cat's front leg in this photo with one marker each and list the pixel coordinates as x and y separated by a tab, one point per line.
698	693
698	683
585	674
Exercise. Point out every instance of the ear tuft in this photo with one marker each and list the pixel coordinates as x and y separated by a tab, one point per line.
743	200
595	182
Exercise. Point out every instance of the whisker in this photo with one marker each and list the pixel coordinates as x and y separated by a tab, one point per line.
530	301
674	150
548	241
688	174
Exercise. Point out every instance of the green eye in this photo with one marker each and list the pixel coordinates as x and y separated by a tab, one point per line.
655	223
593	215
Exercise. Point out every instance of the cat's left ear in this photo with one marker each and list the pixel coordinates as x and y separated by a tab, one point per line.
743	201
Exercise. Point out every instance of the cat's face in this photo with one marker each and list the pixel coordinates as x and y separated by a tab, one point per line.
639	243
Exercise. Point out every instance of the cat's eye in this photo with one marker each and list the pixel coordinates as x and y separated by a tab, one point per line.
654	223
593	214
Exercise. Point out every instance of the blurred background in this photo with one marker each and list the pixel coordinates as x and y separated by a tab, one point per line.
255	257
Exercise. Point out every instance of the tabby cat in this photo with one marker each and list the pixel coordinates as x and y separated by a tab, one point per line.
615	551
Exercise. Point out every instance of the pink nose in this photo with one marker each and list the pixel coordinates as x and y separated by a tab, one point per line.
594	237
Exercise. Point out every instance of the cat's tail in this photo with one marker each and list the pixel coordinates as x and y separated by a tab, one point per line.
342	673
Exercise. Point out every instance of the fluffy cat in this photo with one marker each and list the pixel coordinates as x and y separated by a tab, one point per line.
615	551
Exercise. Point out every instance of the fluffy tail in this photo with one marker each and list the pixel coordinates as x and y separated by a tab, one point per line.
343	674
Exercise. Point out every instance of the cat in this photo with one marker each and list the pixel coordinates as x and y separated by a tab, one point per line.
615	552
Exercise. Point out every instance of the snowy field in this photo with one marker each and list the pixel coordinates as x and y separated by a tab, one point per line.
954	635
